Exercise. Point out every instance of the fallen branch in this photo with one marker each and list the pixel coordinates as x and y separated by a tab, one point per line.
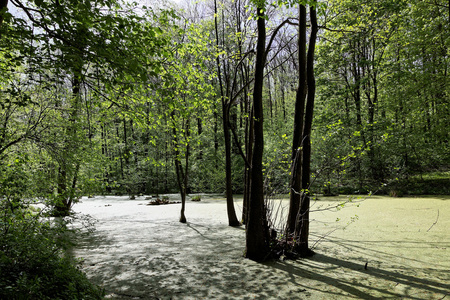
435	222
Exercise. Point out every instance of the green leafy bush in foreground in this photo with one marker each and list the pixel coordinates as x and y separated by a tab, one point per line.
34	263
34	258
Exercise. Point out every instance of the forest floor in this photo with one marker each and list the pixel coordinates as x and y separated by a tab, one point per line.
141	251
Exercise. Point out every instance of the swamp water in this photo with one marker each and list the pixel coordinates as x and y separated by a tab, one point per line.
379	247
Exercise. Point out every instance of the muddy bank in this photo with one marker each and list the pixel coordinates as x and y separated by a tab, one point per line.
143	252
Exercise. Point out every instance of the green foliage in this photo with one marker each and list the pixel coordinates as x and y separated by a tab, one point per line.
146	78
277	163
34	263
382	79
13	181
434	183
196	198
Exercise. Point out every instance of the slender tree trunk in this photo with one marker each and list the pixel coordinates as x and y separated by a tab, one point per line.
67	173
257	247
303	247
357	99
298	218
296	165
199	132
182	176
248	145
180	181
3	6
247	175
232	218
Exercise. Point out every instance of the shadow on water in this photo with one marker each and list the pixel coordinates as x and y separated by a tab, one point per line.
370	281
363	289
371	248
162	259
205	266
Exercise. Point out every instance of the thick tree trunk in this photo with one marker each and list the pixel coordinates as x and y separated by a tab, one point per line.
257	247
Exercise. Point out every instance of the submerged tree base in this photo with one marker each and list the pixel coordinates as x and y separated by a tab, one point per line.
235	224
306	253
287	248
60	212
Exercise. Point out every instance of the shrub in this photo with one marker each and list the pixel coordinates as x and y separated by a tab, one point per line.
34	263
196	198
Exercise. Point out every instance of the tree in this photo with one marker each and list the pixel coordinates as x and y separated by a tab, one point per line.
83	49
68	161
3	9
229	95
257	236
298	217
186	90
378	80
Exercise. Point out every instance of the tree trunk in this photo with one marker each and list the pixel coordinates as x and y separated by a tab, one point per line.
248	109
303	248
232	218
257	247
182	175
357	99
3	7
247	175
67	174
180	181
297	226
296	164
199	132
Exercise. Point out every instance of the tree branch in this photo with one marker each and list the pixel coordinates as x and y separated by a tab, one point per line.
275	32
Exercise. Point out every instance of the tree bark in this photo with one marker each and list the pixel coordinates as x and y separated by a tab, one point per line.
3	6
297	226
247	175
303	247
296	164
182	176
67	173
257	247
232	218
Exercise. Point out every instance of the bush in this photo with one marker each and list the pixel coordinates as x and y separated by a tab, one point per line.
34	263
196	198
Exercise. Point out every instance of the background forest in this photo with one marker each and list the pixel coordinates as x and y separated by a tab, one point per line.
152	97
93	98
